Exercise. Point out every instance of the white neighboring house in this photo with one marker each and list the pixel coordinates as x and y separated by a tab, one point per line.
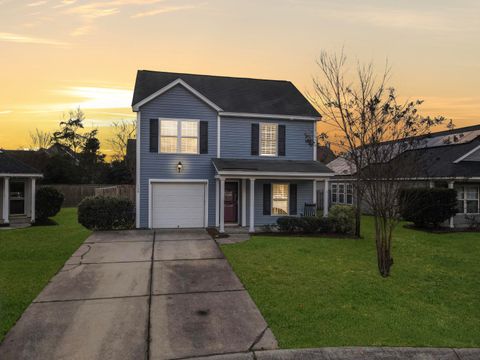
17	191
448	158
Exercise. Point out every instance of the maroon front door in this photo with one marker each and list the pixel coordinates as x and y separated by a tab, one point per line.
231	202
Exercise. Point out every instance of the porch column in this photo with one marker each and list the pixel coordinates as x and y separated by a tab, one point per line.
6	200
244	202
252	207
450	186
314	195
222	205
325	198
32	195
217	203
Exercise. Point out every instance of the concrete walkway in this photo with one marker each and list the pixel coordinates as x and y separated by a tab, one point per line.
141	295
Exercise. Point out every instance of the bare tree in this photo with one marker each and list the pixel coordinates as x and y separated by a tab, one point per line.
40	139
374	132
122	131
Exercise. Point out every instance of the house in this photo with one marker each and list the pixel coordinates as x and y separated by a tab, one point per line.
17	191
449	158
214	151
325	154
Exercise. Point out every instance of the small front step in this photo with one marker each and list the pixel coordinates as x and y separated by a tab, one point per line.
17	220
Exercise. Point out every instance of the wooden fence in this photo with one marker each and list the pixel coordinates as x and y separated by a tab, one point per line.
119	191
73	194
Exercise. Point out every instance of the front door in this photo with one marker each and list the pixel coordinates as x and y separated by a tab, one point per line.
231	202
17	198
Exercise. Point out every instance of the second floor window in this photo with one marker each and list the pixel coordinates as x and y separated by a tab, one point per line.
179	136
268	139
342	194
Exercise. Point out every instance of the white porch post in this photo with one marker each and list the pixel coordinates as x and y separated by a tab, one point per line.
6	200
217	203
252	207
450	186
32	195
314	195
325	198
222	205
244	202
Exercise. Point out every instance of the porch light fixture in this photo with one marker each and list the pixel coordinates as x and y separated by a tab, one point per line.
179	166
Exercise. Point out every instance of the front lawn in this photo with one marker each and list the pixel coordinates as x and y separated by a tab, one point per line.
317	292
29	258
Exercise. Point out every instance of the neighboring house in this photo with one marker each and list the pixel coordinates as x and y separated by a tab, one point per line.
17	191
448	158
325	154
216	151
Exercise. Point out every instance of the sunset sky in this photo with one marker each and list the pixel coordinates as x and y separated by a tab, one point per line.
57	55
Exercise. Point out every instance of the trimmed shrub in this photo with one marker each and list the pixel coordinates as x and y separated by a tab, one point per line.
342	219
48	202
427	207
306	224
106	213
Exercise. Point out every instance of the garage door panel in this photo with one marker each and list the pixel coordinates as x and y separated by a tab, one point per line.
178	205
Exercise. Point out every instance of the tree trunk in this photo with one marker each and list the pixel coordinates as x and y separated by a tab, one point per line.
358	210
383	236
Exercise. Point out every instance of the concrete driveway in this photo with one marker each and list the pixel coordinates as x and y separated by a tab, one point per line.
141	295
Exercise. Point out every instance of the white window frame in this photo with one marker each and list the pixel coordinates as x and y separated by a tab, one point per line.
288	199
261	136
179	135
336	193
465	199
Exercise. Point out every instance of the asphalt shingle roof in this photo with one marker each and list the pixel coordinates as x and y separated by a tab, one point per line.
10	165
232	94
261	165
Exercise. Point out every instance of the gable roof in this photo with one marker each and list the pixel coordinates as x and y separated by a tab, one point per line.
231	94
10	165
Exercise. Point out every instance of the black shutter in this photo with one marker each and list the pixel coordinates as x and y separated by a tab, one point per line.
203	137
267	199
293	199
154	135
281	140
255	139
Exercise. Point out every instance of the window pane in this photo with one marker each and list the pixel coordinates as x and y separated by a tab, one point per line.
189	145
472	193
168	144
279	199
189	128
268	136
334	197
168	128
341	188
349	189
349	199
341	198
472	206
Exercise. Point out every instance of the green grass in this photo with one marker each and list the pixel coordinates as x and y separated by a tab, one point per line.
317	292
29	258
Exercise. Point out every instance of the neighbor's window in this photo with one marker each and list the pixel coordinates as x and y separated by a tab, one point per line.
268	139
279	199
342	194
468	200
179	136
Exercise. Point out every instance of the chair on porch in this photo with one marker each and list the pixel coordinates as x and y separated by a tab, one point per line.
309	210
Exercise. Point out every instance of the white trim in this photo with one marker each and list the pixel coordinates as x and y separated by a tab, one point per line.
217	202
218	136
451	185
325	198
6	199
251	223
32	200
269	116
137	172
314	195
222	205
260	139
315	141
179	135
152	181
467	154
248	174
136	107
21	175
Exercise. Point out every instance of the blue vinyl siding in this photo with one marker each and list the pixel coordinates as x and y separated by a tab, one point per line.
236	138
181	104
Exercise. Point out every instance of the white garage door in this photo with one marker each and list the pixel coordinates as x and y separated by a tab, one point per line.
177	205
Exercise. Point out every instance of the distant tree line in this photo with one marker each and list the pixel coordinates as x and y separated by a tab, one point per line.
71	155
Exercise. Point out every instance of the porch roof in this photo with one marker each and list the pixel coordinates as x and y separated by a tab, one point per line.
10	166
265	167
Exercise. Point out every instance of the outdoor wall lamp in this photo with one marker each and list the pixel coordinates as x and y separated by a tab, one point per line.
179	166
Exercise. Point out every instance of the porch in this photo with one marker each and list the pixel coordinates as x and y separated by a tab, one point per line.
17	199
254	193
